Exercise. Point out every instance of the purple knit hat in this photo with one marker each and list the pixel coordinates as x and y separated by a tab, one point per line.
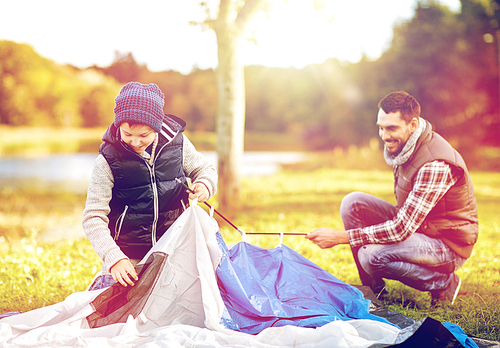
141	104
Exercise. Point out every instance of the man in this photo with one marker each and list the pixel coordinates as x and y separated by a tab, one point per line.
431	231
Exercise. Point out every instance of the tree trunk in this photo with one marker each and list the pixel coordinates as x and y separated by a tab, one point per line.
230	119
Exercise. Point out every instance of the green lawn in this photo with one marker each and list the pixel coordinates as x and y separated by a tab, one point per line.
37	273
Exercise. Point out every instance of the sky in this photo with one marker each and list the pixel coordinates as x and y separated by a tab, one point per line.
158	32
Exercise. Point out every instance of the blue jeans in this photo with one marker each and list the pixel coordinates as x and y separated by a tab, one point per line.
103	281
421	262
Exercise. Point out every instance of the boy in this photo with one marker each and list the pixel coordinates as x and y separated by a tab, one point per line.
133	197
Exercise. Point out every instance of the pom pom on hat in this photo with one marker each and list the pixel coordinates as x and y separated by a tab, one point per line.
140	104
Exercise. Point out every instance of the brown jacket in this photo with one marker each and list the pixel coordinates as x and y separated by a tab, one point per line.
454	219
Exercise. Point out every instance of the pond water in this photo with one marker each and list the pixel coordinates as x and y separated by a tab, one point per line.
72	171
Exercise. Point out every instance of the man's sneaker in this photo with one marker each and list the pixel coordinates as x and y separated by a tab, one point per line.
447	295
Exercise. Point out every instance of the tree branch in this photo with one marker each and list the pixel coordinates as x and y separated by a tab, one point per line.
249	9
224	10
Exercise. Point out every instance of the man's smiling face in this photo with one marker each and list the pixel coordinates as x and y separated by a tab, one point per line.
394	130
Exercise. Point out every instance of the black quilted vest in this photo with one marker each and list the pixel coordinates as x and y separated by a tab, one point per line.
146	198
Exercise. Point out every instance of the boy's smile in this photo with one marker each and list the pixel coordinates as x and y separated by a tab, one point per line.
137	136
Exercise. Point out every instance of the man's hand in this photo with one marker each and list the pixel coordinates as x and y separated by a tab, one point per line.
326	237
123	271
200	192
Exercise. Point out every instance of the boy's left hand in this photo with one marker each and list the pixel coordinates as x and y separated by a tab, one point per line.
200	192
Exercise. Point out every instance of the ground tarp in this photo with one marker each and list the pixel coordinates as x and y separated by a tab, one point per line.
177	303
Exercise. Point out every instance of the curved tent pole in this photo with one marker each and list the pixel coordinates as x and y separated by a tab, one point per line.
243	234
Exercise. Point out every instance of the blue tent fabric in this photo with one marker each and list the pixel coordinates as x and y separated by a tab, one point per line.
428	332
263	288
461	336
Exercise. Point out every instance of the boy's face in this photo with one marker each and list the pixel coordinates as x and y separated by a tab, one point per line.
138	137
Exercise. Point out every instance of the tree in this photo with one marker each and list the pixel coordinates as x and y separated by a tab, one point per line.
484	17
124	68
24	80
230	27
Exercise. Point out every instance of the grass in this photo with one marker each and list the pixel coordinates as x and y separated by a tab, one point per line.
44	256
36	272
36	141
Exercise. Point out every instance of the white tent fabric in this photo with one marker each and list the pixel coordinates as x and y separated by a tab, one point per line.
184	308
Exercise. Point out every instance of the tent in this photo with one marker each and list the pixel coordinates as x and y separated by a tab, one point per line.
194	291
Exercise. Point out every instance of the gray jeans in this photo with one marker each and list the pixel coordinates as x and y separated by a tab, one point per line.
421	262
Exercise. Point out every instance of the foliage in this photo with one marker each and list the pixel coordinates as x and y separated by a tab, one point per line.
35	91
449	68
36	273
448	61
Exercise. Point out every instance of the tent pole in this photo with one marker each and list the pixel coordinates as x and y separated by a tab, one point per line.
233	225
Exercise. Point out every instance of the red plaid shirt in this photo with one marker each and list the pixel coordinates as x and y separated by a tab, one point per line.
433	180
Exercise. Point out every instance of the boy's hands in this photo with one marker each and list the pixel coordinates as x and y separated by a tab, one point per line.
200	192
123	272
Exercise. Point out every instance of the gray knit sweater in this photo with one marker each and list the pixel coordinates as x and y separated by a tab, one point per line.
95	215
